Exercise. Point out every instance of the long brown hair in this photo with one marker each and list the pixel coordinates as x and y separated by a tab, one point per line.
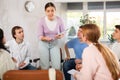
92	33
1	40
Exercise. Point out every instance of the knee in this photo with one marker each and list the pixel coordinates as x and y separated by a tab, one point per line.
66	65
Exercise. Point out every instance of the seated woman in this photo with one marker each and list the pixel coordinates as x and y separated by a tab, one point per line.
98	62
6	62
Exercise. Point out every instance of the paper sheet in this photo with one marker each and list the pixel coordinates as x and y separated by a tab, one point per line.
72	71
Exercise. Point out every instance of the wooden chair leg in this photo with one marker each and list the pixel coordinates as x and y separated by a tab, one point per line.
61	55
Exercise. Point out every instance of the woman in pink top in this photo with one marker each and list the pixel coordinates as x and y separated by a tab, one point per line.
50	34
98	62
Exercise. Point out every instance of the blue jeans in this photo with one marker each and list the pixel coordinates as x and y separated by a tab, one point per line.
68	65
29	67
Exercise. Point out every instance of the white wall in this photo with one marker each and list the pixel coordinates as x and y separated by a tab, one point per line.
12	12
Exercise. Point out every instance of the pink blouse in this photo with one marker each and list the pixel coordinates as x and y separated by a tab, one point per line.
93	65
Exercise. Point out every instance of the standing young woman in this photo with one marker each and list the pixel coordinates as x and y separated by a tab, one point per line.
50	27
98	62
6	62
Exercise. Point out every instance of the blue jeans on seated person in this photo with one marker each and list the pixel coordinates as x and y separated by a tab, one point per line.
68	65
29	67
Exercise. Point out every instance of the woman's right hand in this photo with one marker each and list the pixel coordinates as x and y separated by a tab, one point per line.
48	39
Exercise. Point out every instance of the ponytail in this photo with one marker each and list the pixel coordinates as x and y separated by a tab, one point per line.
110	60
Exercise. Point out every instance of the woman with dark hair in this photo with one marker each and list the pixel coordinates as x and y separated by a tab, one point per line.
6	62
50	35
98	62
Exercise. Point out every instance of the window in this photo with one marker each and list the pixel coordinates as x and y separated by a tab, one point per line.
74	6
113	5
95	5
112	19
73	20
106	15
98	17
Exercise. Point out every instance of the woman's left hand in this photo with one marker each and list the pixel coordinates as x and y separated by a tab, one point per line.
59	36
78	67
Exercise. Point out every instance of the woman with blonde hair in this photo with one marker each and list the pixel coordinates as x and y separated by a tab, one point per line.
98	62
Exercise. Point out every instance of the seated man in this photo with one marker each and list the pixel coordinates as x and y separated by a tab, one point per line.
78	47
19	49
116	45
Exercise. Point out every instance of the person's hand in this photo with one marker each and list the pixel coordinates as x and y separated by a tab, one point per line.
21	64
78	61
59	36
48	39
67	58
78	67
14	60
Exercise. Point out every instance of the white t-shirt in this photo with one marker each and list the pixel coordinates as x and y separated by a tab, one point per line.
116	49
51	24
21	52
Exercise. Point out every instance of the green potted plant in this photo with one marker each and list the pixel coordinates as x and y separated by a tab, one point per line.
72	31
86	19
83	20
110	37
